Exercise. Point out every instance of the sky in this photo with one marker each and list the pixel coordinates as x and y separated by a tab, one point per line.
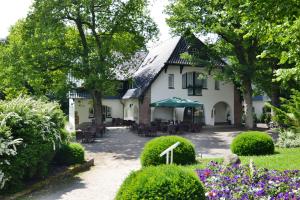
13	10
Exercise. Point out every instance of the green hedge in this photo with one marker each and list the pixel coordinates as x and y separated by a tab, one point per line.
68	154
252	143
161	182
183	154
38	124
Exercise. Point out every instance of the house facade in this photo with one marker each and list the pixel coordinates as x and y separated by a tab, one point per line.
259	103
164	74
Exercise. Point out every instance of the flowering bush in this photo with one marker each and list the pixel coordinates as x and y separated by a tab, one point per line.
31	131
247	182
7	148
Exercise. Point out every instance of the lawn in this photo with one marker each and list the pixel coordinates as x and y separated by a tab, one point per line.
283	159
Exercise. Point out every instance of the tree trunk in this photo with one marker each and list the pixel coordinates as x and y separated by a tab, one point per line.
97	103
247	93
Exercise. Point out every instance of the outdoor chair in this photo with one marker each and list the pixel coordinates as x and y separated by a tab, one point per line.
79	135
100	130
89	134
172	129
134	126
153	131
147	131
140	129
163	127
195	128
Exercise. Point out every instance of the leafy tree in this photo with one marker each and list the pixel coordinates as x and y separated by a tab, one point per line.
35	61
243	30
106	32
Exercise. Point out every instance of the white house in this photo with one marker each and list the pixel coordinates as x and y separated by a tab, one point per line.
259	103
164	74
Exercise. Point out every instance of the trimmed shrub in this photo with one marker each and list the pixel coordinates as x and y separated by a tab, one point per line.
252	143
69	154
161	182
183	154
38	125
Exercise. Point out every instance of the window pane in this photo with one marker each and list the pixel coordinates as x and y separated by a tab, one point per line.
171	80
198	80
184	81
190	79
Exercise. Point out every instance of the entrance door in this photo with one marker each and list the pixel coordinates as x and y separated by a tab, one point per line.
222	113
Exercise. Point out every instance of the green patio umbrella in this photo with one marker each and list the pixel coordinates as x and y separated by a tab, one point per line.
176	102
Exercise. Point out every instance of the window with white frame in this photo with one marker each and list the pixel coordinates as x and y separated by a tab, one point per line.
171	81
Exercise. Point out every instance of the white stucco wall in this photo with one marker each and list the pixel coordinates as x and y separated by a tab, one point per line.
82	107
131	109
71	124
258	107
210	96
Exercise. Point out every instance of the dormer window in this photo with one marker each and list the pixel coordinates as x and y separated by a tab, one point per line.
194	83
171	81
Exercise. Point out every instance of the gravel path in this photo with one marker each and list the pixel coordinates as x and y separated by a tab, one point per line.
116	155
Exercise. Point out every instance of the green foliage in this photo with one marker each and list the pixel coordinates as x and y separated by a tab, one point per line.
104	35
288	114
69	154
265	117
183	154
283	159
252	143
7	148
36	61
258	38
161	182
39	125
288	139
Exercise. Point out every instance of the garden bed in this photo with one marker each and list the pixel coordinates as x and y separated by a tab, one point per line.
248	182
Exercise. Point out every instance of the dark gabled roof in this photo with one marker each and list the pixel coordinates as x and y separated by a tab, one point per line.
167	53
154	63
132	93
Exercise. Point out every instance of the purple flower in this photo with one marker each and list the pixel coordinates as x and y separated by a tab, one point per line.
236	182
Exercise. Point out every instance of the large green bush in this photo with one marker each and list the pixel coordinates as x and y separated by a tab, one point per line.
288	114
38	124
252	143
161	182
71	153
183	154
